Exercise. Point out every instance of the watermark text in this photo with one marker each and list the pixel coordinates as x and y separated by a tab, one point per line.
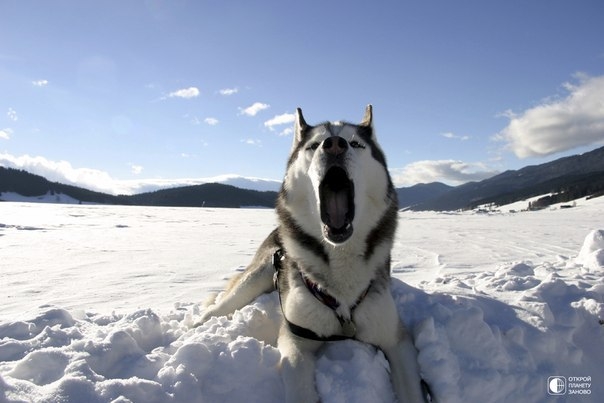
572	385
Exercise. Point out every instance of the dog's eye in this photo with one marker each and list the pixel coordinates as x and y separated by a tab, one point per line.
356	144
313	146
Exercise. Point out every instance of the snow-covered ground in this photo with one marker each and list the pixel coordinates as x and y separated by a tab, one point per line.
96	305
49	197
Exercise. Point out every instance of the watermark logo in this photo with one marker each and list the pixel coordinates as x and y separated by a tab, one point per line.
556	385
573	385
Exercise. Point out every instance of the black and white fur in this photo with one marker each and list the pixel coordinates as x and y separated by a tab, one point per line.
337	213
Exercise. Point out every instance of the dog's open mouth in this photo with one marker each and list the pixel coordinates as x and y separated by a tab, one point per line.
336	193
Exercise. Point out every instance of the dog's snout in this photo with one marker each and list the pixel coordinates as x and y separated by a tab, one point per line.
335	145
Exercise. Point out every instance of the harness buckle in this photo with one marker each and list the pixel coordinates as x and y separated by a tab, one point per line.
349	329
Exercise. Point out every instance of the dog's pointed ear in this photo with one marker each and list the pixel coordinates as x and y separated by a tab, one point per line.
368	118
300	126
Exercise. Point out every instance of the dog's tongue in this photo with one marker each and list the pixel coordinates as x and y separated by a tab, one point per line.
337	208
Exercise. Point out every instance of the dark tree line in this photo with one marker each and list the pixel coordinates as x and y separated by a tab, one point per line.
589	188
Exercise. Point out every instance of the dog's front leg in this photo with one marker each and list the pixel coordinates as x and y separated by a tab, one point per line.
384	329
298	367
404	369
244	288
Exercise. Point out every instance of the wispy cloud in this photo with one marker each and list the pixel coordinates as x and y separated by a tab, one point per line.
558	124
287	131
211	121
6	133
136	169
186	93
454	136
252	142
285	118
253	109
453	172
12	114
40	83
229	91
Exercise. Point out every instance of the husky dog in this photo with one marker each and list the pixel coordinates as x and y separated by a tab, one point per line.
329	258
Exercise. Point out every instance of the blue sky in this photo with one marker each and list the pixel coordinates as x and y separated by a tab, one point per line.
115	95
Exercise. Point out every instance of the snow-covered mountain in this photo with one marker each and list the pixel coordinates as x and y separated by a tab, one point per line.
249	183
577	176
243	182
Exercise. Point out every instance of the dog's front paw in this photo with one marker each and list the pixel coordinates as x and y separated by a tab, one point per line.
202	319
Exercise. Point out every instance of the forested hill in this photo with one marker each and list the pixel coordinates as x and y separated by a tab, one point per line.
205	195
208	194
30	185
571	177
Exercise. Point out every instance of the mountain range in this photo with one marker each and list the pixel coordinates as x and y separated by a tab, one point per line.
416	195
567	178
580	175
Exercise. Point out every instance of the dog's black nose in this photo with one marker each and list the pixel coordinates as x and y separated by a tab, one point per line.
335	145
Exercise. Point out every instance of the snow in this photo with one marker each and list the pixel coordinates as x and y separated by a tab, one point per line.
45	198
592	252
97	304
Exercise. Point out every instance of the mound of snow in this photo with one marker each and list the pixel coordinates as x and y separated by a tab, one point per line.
592	252
470	346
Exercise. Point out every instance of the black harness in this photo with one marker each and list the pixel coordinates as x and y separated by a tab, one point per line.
348	327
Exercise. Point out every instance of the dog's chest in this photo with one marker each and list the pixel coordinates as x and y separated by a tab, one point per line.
346	277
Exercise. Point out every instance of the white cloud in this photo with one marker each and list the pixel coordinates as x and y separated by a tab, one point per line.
12	114
560	124
211	121
186	93
454	136
287	131
252	142
40	83
64	172
6	133
452	172
136	169
229	91
253	109
282	119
